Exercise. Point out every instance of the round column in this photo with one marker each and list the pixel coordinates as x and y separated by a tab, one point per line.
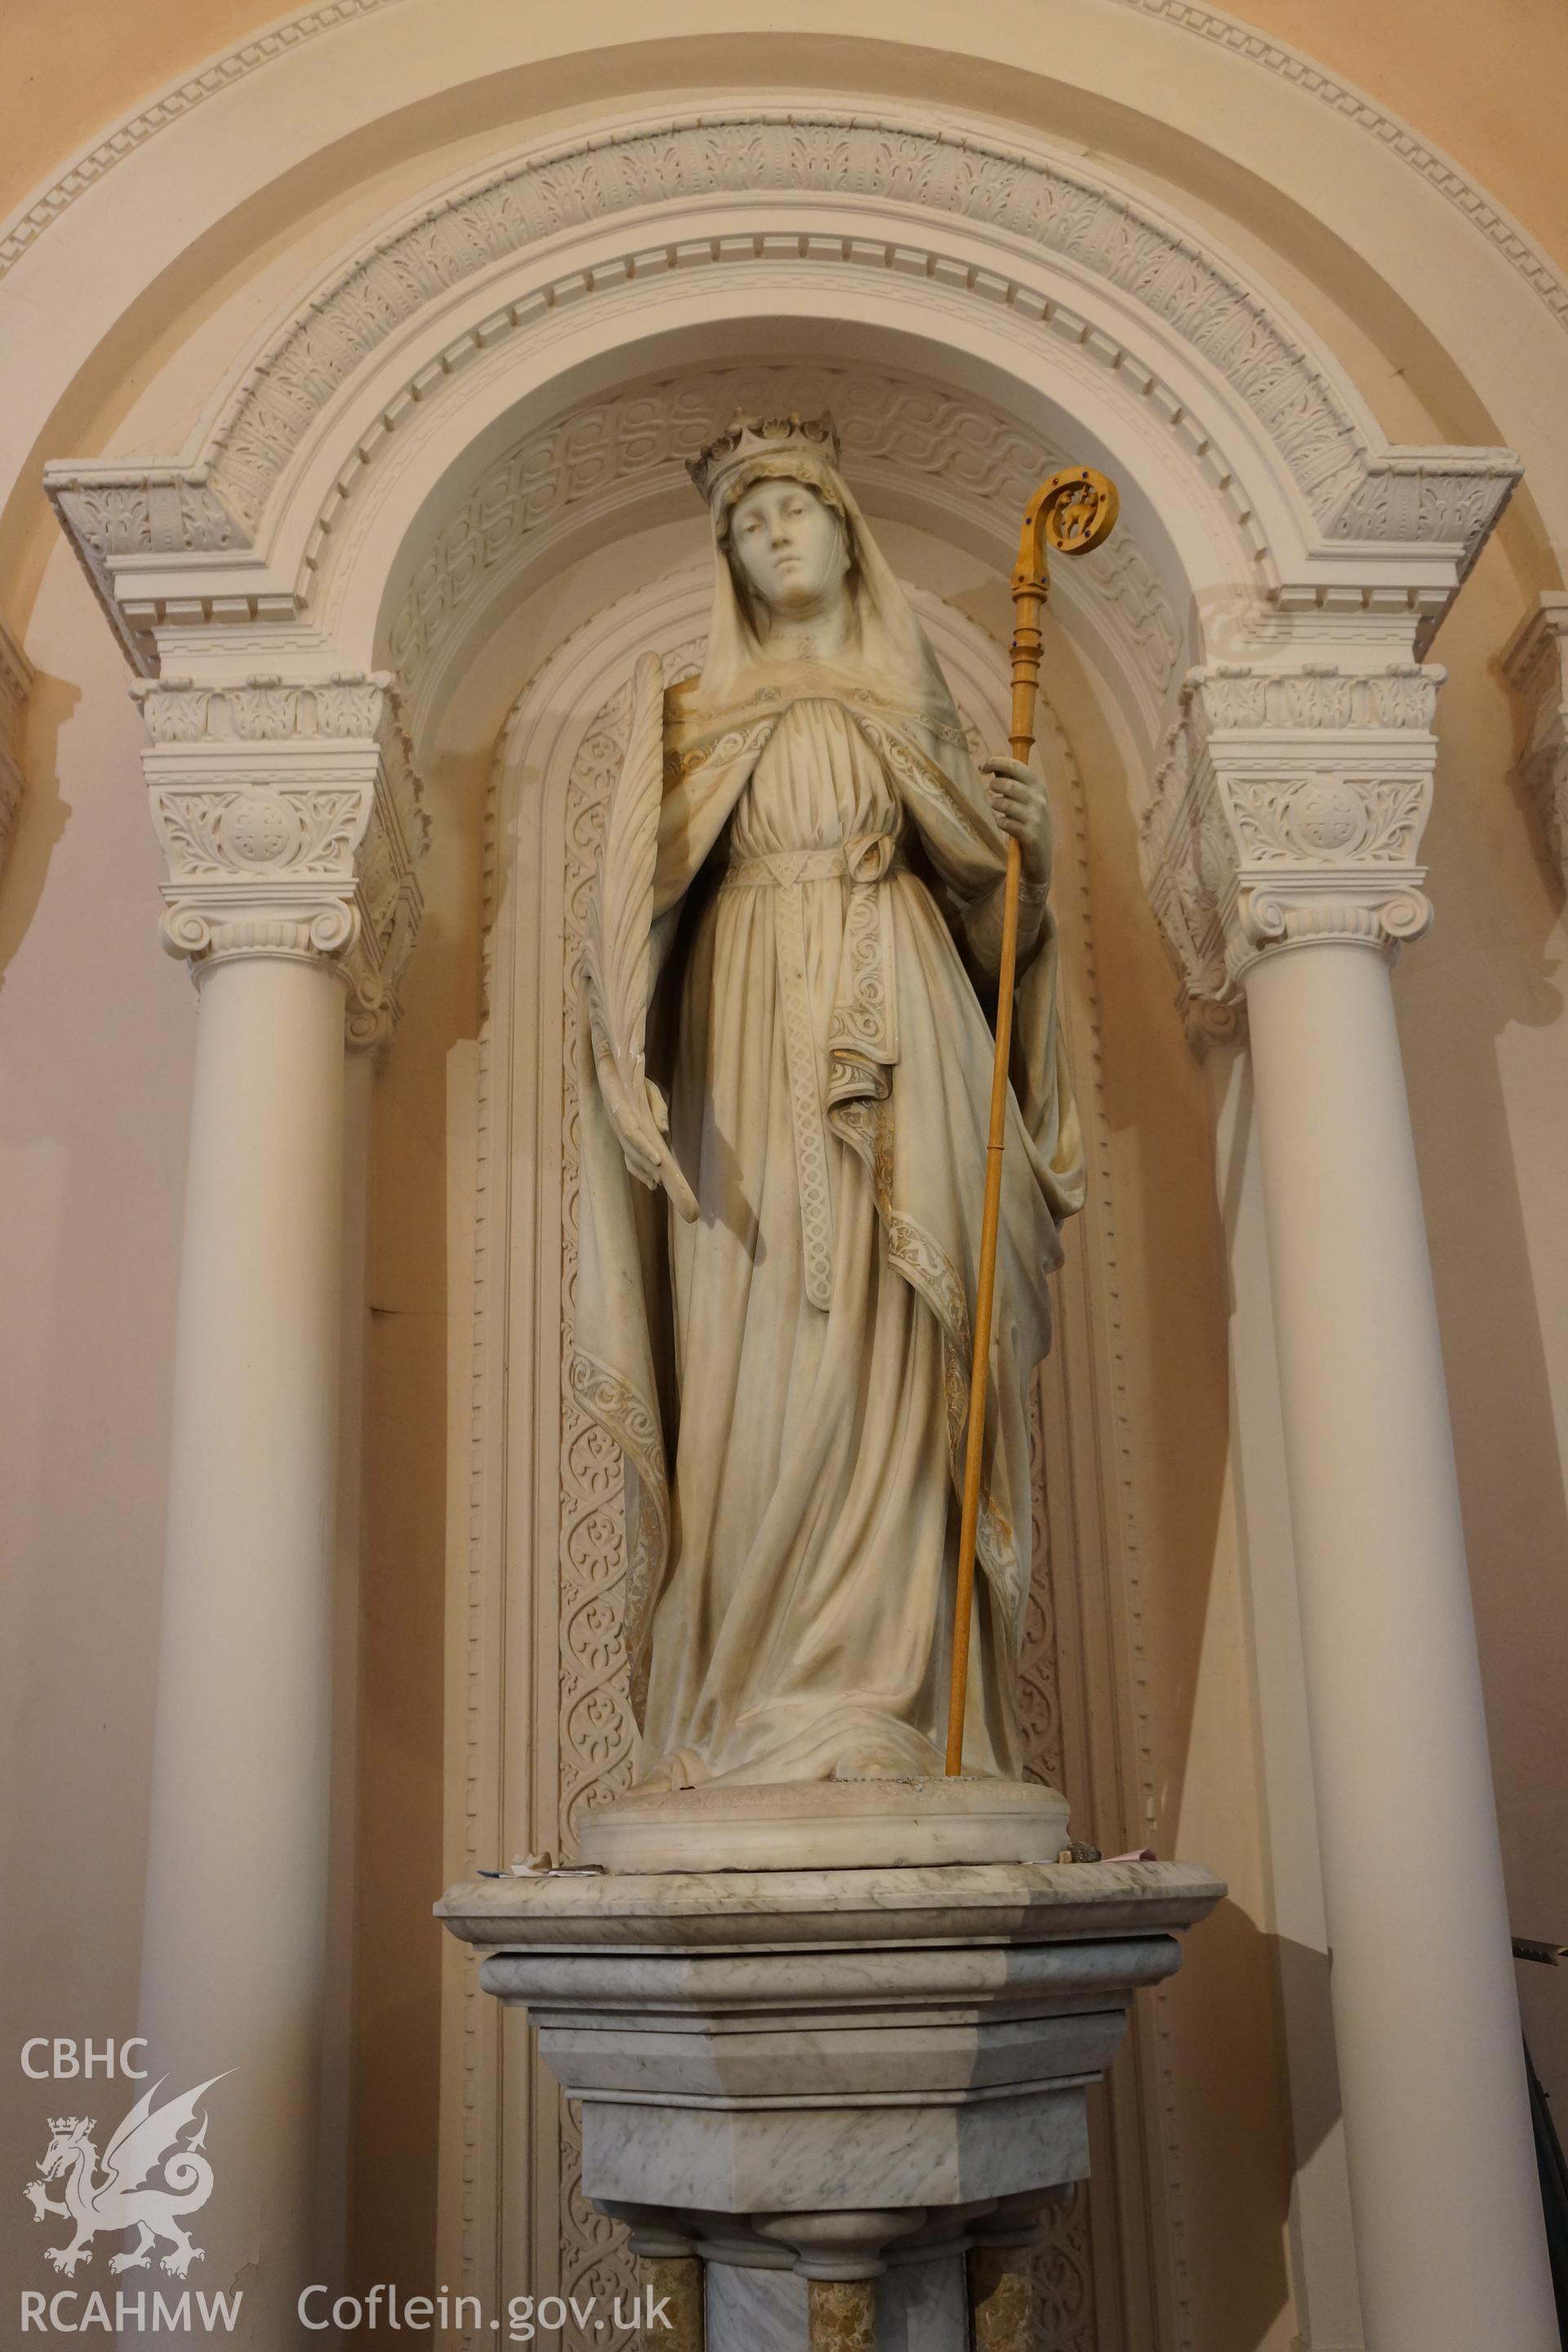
290	816
1447	2209
235	1929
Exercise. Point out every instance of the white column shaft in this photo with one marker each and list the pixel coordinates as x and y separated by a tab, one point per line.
234	1939
1321	2232
1448	2219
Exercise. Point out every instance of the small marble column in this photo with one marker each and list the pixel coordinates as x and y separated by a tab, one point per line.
1281	855
670	2281
841	2255
292	893
1001	2273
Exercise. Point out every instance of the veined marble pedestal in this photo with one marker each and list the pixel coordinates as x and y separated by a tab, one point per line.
832	2103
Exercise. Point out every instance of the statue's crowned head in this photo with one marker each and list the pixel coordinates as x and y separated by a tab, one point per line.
772	448
791	562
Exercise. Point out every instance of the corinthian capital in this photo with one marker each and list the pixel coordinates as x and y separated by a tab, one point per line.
291	822
1287	808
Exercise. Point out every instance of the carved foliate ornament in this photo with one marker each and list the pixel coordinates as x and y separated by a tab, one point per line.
292	822
1536	668
1288	806
908	183
16	685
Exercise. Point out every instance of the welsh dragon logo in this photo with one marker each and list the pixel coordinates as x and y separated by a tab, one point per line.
125	2196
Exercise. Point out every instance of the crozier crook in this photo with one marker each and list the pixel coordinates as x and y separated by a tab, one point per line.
1075	509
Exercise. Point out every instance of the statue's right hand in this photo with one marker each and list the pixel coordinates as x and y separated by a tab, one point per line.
637	1123
641	1119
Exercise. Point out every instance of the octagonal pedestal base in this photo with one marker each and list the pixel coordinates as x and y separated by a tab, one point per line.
845	2094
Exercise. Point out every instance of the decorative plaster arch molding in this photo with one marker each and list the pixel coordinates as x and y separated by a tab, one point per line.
1215	26
543	266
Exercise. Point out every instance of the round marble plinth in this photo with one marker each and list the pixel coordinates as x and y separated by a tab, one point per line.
828	1825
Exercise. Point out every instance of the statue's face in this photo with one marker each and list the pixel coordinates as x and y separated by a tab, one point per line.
789	546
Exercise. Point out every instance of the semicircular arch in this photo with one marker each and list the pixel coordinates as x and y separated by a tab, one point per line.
1102	317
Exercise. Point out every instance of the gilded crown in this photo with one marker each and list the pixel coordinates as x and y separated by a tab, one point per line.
748	437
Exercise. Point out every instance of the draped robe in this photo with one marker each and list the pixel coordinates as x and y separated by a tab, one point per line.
787	1378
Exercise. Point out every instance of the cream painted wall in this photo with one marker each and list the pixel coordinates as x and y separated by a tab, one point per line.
95	1072
1481	1019
397	1957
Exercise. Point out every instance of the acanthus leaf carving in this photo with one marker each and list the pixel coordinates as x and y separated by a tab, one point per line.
1288	807
1535	664
291	822
16	686
1285	821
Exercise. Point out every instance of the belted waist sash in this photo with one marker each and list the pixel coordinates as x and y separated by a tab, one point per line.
868	857
862	1029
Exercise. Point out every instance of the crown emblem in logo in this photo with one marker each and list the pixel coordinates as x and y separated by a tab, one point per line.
154	2175
748	437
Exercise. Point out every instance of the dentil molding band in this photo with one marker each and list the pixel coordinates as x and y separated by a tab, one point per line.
176	99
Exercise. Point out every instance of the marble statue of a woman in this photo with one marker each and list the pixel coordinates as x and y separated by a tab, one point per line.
785	1077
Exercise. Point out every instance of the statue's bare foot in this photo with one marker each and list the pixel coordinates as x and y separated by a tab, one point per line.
684	1770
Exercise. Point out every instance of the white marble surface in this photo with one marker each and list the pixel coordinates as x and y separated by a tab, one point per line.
922	2305
755	2310
927	2056
1008	1902
826	2157
790	1620
759	2055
